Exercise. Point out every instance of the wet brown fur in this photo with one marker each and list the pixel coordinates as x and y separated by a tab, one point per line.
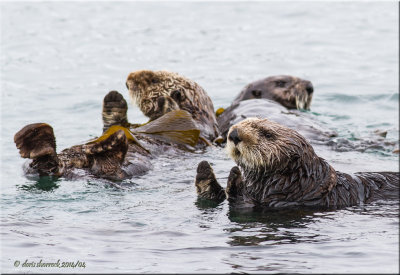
103	158
291	92
288	91
115	157
279	168
177	92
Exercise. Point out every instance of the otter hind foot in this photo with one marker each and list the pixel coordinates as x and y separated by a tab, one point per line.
207	186
108	155
114	110
37	141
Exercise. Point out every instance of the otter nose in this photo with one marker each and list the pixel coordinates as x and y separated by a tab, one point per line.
234	136
309	88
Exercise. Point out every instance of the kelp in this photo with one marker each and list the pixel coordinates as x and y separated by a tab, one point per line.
219	112
176	126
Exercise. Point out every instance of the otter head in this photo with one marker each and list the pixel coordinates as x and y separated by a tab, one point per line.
159	92
263	146
151	91
289	91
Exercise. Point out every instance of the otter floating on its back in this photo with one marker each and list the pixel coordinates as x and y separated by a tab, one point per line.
280	99
180	111
159	92
279	168
273	96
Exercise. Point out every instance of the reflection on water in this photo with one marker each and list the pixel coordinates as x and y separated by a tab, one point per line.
45	183
206	204
273	226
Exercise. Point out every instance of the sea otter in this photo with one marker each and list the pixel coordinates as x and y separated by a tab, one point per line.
279	168
273	97
181	116
159	92
123	151
289	91
282	99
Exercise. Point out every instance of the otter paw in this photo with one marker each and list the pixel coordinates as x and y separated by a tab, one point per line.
107	156
114	110
206	184
116	144
164	104
36	140
234	186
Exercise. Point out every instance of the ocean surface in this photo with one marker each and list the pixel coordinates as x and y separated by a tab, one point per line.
59	59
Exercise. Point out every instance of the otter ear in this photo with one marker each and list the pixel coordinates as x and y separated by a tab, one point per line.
178	96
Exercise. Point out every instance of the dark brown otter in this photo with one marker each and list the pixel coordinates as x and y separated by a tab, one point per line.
278	94
116	155
159	92
289	91
279	168
276	97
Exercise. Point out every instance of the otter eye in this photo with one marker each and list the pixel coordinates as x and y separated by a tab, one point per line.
256	93
154	80
178	96
280	83
266	133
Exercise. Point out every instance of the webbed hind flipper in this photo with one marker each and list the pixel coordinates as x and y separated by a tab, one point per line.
114	110
207	186
36	141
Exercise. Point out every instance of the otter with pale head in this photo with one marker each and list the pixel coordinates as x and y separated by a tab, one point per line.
159	92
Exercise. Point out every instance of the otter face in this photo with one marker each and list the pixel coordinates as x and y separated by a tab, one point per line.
157	93
151	92
291	92
263	145
147	88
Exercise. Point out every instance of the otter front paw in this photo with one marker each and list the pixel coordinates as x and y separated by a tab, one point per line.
207	186
114	110
108	155
234	186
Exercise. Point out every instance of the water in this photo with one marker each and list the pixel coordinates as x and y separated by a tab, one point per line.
60	59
